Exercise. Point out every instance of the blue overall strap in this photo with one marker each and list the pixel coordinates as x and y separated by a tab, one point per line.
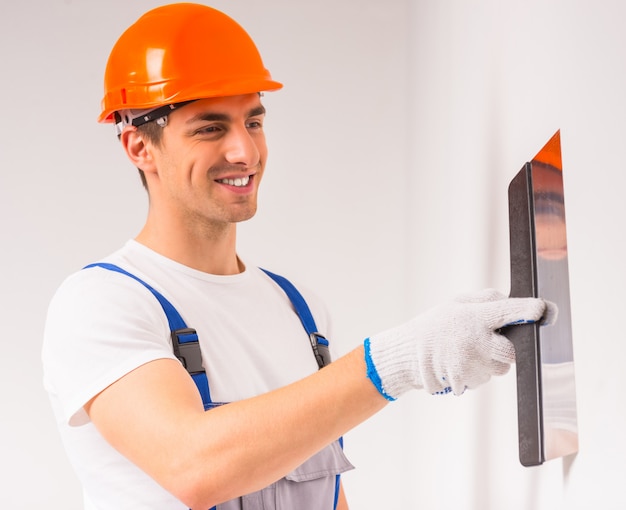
184	339
319	344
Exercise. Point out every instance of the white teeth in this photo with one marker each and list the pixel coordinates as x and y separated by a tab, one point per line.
239	182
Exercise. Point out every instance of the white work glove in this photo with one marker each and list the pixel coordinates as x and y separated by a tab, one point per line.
451	347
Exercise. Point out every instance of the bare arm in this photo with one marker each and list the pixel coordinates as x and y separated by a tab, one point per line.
154	416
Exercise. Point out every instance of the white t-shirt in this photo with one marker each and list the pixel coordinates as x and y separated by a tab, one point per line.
102	324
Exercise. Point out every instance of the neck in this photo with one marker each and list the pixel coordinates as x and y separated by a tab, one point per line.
211	249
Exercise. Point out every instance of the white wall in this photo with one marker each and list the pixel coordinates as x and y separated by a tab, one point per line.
492	81
392	146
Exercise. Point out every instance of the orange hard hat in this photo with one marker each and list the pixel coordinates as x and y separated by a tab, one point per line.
181	52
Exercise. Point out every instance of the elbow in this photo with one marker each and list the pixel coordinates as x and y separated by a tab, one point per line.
196	488
200	488
195	495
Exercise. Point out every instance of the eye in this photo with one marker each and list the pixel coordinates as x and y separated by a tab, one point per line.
254	124
209	129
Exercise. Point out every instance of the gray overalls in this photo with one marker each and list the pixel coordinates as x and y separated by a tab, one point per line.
314	485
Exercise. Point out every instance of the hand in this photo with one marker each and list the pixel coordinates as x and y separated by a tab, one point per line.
451	347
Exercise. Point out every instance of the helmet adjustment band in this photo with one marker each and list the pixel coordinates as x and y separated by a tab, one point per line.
138	118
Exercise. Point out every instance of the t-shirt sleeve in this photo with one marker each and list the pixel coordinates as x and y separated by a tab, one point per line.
101	325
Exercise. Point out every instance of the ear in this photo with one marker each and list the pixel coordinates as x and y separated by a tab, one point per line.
138	150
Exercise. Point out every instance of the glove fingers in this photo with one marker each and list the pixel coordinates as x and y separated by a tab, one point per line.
510	311
550	314
479	377
478	380
501	349
432	383
499	368
459	389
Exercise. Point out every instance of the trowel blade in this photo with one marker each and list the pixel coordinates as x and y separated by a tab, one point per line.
546	391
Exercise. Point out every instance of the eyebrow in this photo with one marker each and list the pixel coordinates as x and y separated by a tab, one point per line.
224	117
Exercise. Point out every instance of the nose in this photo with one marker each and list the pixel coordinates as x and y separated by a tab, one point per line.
242	147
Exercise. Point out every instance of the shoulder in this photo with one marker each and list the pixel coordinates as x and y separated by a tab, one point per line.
100	326
97	290
96	306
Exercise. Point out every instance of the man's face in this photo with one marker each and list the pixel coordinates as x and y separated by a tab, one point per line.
210	161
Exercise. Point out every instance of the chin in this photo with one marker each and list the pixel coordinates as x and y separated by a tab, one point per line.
244	215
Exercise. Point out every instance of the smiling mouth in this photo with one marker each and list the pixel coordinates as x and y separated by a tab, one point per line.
239	182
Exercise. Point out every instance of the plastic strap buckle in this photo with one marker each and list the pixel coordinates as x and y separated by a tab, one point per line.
187	349
320	349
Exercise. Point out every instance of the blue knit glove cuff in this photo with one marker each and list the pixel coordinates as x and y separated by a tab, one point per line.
372	373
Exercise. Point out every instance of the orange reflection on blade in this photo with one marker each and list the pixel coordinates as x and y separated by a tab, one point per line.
550	154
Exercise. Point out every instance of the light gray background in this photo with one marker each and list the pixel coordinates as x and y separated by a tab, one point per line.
392	145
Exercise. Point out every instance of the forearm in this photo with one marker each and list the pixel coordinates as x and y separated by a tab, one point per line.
257	441
154	416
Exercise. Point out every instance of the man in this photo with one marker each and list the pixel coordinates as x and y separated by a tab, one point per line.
183	87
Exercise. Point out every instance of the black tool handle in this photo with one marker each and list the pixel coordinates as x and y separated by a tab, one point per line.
525	337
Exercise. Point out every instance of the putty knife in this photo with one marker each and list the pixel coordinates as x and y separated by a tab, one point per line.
546	392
